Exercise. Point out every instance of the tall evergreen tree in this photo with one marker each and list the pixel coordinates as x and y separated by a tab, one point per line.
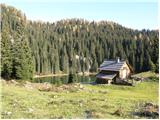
6	54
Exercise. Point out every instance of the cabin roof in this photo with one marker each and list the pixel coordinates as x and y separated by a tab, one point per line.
113	65
104	76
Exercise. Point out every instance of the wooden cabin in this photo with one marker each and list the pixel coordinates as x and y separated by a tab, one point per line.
114	71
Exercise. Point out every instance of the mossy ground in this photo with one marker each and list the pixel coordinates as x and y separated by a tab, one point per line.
95	101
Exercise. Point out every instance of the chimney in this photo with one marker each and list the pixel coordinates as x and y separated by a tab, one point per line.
118	60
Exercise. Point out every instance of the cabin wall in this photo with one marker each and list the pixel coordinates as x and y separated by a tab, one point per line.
124	72
103	81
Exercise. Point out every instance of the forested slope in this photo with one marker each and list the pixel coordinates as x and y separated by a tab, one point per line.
16	58
74	45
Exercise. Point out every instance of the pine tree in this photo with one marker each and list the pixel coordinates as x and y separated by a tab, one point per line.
65	63
152	66
6	55
22	58
56	61
22	61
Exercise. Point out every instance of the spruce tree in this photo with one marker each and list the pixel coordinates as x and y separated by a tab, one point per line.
6	54
56	62
152	66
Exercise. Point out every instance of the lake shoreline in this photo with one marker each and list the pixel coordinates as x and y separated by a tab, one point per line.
49	75
52	75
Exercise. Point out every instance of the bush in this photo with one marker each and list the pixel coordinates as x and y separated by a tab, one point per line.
154	78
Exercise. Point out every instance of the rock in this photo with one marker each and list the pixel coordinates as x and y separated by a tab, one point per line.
96	115
46	83
13	82
6	113
118	112
65	87
28	86
149	104
136	117
93	114
80	86
14	104
3	81
80	104
55	96
9	113
67	92
27	82
30	110
148	110
45	87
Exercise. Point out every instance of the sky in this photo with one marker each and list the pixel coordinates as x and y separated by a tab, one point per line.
135	14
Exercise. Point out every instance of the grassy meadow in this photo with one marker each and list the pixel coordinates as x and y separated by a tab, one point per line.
84	101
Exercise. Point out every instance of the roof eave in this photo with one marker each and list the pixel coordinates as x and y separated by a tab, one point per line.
109	70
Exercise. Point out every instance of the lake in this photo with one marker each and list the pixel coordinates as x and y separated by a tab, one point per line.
66	79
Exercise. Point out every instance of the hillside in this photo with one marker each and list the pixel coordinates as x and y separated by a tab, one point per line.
71	46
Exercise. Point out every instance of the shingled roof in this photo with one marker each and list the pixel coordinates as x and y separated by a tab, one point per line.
113	65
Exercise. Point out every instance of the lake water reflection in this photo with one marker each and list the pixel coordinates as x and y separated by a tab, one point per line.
66	79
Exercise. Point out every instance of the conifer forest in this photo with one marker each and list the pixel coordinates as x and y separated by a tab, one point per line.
70	45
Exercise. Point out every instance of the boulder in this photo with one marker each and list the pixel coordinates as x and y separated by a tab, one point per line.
81	86
30	110
27	82
118	112
148	110
28	85
45	87
13	82
3	81
149	104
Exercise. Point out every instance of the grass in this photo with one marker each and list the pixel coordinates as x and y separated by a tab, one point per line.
146	74
95	101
